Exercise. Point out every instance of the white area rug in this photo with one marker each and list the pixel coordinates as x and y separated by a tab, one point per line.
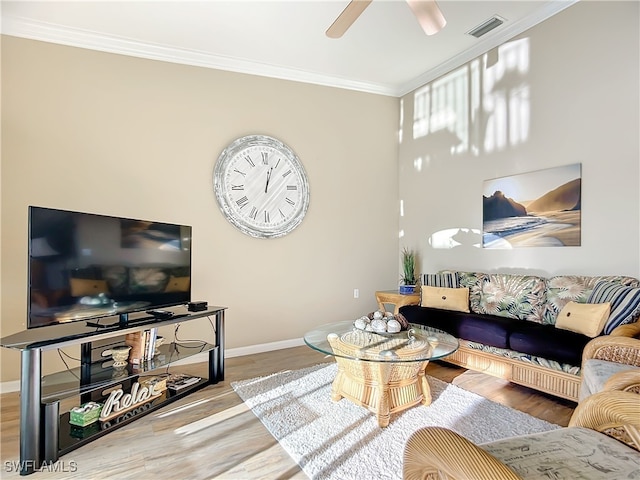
342	441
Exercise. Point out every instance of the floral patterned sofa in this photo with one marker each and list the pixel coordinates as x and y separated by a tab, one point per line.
527	329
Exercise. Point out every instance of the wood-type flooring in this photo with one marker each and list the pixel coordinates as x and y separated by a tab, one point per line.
239	447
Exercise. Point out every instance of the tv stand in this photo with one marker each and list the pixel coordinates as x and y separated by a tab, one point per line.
45	433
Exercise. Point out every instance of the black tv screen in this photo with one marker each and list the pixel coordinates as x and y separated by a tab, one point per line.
87	266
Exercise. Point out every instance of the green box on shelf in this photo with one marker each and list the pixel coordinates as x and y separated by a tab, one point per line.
85	414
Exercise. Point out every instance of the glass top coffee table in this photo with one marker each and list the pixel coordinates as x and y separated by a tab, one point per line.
384	372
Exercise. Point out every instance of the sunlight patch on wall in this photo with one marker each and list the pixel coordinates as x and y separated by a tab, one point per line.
481	106
456	237
506	97
401	126
443	106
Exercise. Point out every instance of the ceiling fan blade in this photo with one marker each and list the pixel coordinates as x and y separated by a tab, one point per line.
346	18
428	14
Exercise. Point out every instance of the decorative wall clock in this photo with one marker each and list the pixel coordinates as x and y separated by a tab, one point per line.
261	186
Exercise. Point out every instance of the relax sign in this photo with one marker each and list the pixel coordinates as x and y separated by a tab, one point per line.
120	402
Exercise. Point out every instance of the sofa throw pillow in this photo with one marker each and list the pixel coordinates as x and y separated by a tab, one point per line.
442	279
562	289
585	318
473	281
513	296
456	299
625	303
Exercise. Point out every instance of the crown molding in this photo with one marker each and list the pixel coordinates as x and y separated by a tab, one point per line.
46	32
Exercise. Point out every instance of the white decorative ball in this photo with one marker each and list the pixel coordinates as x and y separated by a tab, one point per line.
379	325
388	315
393	326
378	315
360	324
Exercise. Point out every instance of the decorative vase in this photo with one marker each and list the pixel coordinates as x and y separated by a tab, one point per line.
406	289
119	355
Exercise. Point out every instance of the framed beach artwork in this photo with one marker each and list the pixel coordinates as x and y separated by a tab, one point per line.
535	209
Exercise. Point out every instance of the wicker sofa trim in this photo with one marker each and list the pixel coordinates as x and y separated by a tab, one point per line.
547	380
555	382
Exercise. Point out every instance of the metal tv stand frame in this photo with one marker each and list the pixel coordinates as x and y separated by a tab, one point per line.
45	434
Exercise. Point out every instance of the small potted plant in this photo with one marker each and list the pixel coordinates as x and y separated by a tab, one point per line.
408	279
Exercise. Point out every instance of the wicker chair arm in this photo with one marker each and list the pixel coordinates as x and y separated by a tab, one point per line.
629	330
610	412
628	381
442	454
613	349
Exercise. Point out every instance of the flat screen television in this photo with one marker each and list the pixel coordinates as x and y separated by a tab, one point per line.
84	266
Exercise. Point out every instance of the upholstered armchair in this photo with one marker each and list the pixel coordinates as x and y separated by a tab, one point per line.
611	362
601	442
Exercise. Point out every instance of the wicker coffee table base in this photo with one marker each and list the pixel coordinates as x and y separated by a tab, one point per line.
383	388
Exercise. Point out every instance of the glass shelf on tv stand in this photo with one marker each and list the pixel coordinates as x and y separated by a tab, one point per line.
40	418
102	375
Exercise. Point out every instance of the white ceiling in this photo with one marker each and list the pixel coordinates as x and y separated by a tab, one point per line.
385	51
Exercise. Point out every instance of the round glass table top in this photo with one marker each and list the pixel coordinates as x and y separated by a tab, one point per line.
418	343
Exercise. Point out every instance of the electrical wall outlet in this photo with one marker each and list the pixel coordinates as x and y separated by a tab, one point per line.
356	293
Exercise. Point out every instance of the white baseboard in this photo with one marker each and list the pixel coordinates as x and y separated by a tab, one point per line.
242	351
14	385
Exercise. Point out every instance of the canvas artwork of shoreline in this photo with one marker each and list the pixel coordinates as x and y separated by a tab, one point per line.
536	209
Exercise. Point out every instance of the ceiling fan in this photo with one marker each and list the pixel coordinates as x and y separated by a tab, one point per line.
427	12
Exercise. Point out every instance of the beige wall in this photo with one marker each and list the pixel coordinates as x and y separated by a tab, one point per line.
124	136
110	134
564	92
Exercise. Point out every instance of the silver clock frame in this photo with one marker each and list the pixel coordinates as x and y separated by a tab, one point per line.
223	198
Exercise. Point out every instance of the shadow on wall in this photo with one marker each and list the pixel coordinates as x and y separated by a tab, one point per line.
482	107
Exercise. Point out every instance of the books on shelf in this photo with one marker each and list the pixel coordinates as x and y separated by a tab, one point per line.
178	381
143	345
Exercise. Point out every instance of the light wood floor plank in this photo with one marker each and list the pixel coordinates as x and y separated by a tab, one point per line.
216	436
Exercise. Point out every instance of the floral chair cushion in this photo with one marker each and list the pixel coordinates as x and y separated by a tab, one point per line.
567	454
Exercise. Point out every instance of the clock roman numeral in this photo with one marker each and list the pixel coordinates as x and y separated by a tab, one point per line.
242	201
266	217
249	161
289	201
277	163
265	156
292	187
237	187
282	214
254	212
238	171
286	174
